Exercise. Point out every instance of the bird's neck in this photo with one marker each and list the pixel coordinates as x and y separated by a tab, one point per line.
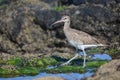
67	29
67	25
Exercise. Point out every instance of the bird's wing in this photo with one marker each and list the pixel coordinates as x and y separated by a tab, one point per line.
84	38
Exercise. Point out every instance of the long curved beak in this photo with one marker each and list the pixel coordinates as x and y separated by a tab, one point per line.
59	21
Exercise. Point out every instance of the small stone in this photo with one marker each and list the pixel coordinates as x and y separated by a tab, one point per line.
50	78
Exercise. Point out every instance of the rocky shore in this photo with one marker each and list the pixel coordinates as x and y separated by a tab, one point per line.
25	27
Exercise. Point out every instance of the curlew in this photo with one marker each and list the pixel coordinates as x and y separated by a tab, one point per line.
78	39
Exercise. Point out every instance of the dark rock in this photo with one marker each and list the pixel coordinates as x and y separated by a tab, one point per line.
69	2
48	1
103	2
2	2
97	13
52	3
46	18
66	2
78	2
117	1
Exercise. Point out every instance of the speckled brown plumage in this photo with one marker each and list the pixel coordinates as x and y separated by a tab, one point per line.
80	37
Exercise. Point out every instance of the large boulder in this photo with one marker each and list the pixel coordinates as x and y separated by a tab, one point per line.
46	17
19	31
109	71
24	28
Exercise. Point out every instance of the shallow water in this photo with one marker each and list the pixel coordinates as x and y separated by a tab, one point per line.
68	76
102	57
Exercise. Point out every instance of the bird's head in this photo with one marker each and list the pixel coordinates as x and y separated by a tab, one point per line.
63	19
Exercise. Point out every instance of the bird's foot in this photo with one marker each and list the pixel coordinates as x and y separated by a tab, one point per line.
64	64
83	66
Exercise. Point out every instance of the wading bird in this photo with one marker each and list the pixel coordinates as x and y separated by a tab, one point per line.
78	39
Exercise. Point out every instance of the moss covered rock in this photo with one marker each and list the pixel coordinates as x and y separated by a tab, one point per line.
3	71
66	69
24	66
49	61
14	61
95	63
31	66
28	70
77	68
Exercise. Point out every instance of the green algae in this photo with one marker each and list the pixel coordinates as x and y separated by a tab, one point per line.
66	69
49	61
24	66
19	71
77	68
44	62
114	52
93	50
8	72
14	61
28	70
2	61
1	1
33	62
95	64
39	63
59	8
4	71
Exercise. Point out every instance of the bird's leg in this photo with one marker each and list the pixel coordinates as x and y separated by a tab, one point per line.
69	60
76	55
84	63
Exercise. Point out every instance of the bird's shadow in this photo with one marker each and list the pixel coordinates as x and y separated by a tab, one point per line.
59	59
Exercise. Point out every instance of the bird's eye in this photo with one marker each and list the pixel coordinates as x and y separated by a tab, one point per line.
65	18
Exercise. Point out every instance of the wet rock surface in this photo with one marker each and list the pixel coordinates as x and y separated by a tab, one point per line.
50	78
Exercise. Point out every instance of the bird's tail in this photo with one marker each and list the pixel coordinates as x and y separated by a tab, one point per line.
102	45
